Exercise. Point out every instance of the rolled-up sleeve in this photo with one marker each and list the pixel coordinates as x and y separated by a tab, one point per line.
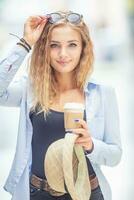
108	151
10	95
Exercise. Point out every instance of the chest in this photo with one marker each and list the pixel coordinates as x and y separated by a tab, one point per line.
71	96
94	108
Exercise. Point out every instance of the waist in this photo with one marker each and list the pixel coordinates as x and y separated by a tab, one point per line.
42	184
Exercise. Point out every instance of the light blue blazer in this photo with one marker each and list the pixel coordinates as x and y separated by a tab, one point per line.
102	119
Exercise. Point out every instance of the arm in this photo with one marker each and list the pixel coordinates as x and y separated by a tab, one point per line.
10	94
108	152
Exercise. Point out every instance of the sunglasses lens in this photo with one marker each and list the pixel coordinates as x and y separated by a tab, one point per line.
74	18
54	17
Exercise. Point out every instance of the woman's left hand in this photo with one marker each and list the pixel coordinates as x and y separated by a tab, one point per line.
84	138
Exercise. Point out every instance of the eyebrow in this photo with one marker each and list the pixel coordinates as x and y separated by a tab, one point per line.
67	41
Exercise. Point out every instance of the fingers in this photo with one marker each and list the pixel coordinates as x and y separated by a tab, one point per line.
36	17
86	146
41	25
34	21
83	140
83	131
80	131
82	123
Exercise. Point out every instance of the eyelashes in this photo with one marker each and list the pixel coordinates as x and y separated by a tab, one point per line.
58	45
54	45
72	45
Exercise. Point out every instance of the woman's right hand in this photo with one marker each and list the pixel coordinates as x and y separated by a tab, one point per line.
33	28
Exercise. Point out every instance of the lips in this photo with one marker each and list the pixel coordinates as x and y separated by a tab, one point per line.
62	62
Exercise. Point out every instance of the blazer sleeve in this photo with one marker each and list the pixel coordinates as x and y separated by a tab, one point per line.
108	151
11	93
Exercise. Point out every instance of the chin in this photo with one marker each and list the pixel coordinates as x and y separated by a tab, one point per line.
63	69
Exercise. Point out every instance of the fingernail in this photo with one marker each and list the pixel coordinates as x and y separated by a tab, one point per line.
76	120
48	17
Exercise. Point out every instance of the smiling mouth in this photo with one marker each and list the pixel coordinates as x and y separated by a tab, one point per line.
63	62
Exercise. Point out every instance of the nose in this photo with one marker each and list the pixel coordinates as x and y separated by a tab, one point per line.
63	52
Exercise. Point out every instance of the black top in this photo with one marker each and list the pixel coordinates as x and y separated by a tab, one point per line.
46	132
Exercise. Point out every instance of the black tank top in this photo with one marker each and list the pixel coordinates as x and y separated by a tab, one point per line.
46	132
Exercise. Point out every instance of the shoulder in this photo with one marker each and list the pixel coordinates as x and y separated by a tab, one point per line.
100	86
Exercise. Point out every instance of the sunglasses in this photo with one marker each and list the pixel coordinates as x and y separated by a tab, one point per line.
73	18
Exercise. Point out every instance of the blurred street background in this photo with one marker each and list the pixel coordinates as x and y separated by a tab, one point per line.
111	25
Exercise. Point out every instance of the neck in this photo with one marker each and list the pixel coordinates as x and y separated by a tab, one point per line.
65	82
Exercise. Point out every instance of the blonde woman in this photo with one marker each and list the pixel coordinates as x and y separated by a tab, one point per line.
60	71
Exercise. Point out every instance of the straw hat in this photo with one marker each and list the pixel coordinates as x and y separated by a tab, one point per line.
66	168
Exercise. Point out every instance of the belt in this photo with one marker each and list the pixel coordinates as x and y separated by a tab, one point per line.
42	184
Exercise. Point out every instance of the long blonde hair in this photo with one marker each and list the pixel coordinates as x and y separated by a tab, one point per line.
42	74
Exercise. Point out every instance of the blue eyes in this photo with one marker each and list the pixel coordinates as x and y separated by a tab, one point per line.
58	45
54	45
73	45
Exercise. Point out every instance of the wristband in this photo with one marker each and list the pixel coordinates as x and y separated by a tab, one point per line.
19	43
25	42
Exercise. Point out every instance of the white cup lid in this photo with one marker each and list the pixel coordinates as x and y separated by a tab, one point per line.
74	106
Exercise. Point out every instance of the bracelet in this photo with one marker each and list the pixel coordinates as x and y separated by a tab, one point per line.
89	151
22	43
23	46
25	42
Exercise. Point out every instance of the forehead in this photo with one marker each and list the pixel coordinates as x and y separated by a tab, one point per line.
65	33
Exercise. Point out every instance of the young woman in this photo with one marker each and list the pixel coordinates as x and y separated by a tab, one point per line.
59	72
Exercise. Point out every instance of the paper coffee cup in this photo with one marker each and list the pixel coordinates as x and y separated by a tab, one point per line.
73	111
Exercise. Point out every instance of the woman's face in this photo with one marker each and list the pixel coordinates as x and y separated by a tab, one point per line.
65	49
